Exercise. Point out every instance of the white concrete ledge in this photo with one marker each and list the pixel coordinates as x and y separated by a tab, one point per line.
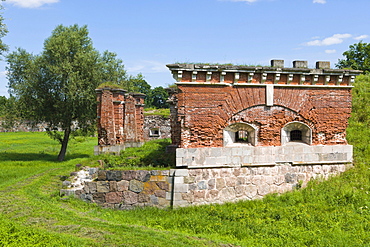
238	156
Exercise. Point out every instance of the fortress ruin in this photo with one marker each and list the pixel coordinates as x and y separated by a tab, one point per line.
239	132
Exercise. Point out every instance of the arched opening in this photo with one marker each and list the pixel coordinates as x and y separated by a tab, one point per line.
239	134
296	132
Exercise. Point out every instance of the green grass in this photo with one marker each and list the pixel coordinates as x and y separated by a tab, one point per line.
152	155
335	212
331	213
164	112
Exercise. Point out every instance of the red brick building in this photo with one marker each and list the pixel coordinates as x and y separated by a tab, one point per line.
228	106
214	99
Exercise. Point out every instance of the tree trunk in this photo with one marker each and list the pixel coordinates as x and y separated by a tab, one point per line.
65	140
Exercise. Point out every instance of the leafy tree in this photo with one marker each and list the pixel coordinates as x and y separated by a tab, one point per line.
8	109
139	85
3	32
3	101
158	97
357	57
58	86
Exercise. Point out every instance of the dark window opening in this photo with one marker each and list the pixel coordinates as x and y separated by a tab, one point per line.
295	135
154	132
241	136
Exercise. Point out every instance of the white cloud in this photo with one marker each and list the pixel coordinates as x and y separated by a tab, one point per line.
31	3
361	37
333	40
147	66
330	51
319	1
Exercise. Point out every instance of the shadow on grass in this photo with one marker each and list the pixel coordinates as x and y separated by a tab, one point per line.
10	156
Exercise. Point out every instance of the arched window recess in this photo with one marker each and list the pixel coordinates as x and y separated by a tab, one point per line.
240	134
296	132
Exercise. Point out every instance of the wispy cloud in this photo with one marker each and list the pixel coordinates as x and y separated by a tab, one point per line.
330	51
319	1
147	66
31	3
333	40
361	37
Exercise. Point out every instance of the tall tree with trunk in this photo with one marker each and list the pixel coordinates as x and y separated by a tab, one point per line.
58	86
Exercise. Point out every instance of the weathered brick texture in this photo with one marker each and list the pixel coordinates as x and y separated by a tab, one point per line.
211	98
203	113
120	117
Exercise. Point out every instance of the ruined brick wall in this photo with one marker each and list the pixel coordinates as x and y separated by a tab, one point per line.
134	118
211	98
120	119
139	117
175	121
110	115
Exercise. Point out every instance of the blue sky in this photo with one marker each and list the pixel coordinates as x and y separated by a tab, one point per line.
148	34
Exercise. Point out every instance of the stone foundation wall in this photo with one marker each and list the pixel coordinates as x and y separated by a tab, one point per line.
219	185
185	187
126	189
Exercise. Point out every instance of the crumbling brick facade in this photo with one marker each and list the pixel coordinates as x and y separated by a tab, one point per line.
120	120
210	98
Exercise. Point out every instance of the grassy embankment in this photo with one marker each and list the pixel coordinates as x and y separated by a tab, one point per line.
331	213
334	212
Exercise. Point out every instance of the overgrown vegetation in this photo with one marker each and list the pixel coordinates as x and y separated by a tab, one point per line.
151	155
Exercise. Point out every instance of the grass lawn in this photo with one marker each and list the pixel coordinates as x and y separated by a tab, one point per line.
330	213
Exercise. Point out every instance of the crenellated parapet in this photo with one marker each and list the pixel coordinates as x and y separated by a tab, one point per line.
298	75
